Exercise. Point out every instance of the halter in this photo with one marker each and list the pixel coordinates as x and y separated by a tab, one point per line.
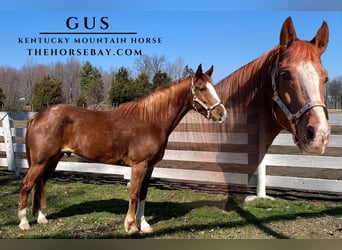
294	119
202	104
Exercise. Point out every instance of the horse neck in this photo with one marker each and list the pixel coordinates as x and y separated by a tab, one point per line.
249	91
247	86
179	104
168	105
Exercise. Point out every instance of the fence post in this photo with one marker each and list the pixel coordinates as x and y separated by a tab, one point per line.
261	180
261	183
7	124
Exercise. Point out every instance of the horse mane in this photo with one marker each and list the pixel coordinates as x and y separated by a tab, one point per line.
158	103
239	89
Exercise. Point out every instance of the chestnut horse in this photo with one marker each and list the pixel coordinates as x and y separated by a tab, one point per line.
284	89
134	134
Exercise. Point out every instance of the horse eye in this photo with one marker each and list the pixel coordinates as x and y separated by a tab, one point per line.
326	79
286	75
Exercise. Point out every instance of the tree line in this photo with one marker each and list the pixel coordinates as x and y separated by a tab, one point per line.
334	93
37	86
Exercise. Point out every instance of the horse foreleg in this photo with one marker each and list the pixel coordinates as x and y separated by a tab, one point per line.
144	226
138	172
140	213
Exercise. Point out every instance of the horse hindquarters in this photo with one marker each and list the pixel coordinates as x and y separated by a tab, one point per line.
38	172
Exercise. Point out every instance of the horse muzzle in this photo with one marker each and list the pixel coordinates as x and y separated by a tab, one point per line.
315	141
314	137
219	113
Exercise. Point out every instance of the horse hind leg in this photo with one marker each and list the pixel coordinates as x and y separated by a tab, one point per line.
39	194
35	179
39	201
29	181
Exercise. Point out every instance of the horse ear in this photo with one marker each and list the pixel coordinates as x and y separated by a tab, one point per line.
322	37
210	70
199	72
288	33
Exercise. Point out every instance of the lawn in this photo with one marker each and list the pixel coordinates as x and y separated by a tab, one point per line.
82	210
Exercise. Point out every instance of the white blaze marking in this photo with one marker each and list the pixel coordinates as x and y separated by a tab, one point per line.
212	90
310	79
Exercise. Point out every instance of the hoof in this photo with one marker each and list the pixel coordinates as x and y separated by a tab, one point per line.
24	225
144	226
146	229
131	228
41	218
133	231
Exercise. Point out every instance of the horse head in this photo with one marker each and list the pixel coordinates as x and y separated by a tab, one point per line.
298	80
204	97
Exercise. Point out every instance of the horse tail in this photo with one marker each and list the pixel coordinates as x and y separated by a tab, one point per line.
27	141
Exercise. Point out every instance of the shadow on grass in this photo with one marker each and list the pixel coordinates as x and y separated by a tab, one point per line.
162	211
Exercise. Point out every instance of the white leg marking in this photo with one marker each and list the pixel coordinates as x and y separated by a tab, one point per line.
41	218
24	223
140	218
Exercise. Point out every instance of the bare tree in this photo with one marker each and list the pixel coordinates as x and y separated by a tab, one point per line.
29	74
174	69
334	93
9	82
150	65
107	78
71	80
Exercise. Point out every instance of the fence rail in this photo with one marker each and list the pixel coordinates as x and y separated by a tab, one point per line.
199	151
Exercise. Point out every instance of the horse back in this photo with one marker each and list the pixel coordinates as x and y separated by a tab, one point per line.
100	136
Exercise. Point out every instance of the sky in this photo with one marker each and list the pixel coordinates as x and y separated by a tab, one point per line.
225	34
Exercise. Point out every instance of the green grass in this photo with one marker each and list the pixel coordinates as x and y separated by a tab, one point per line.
81	210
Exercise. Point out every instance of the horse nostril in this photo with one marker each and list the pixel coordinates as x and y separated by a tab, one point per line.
223	115
310	133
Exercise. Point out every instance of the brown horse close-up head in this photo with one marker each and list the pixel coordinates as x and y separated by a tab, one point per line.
205	99
298	82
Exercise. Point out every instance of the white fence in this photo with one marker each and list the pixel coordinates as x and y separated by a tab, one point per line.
231	164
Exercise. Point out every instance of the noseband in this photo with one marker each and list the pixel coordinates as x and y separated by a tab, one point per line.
294	119
195	100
